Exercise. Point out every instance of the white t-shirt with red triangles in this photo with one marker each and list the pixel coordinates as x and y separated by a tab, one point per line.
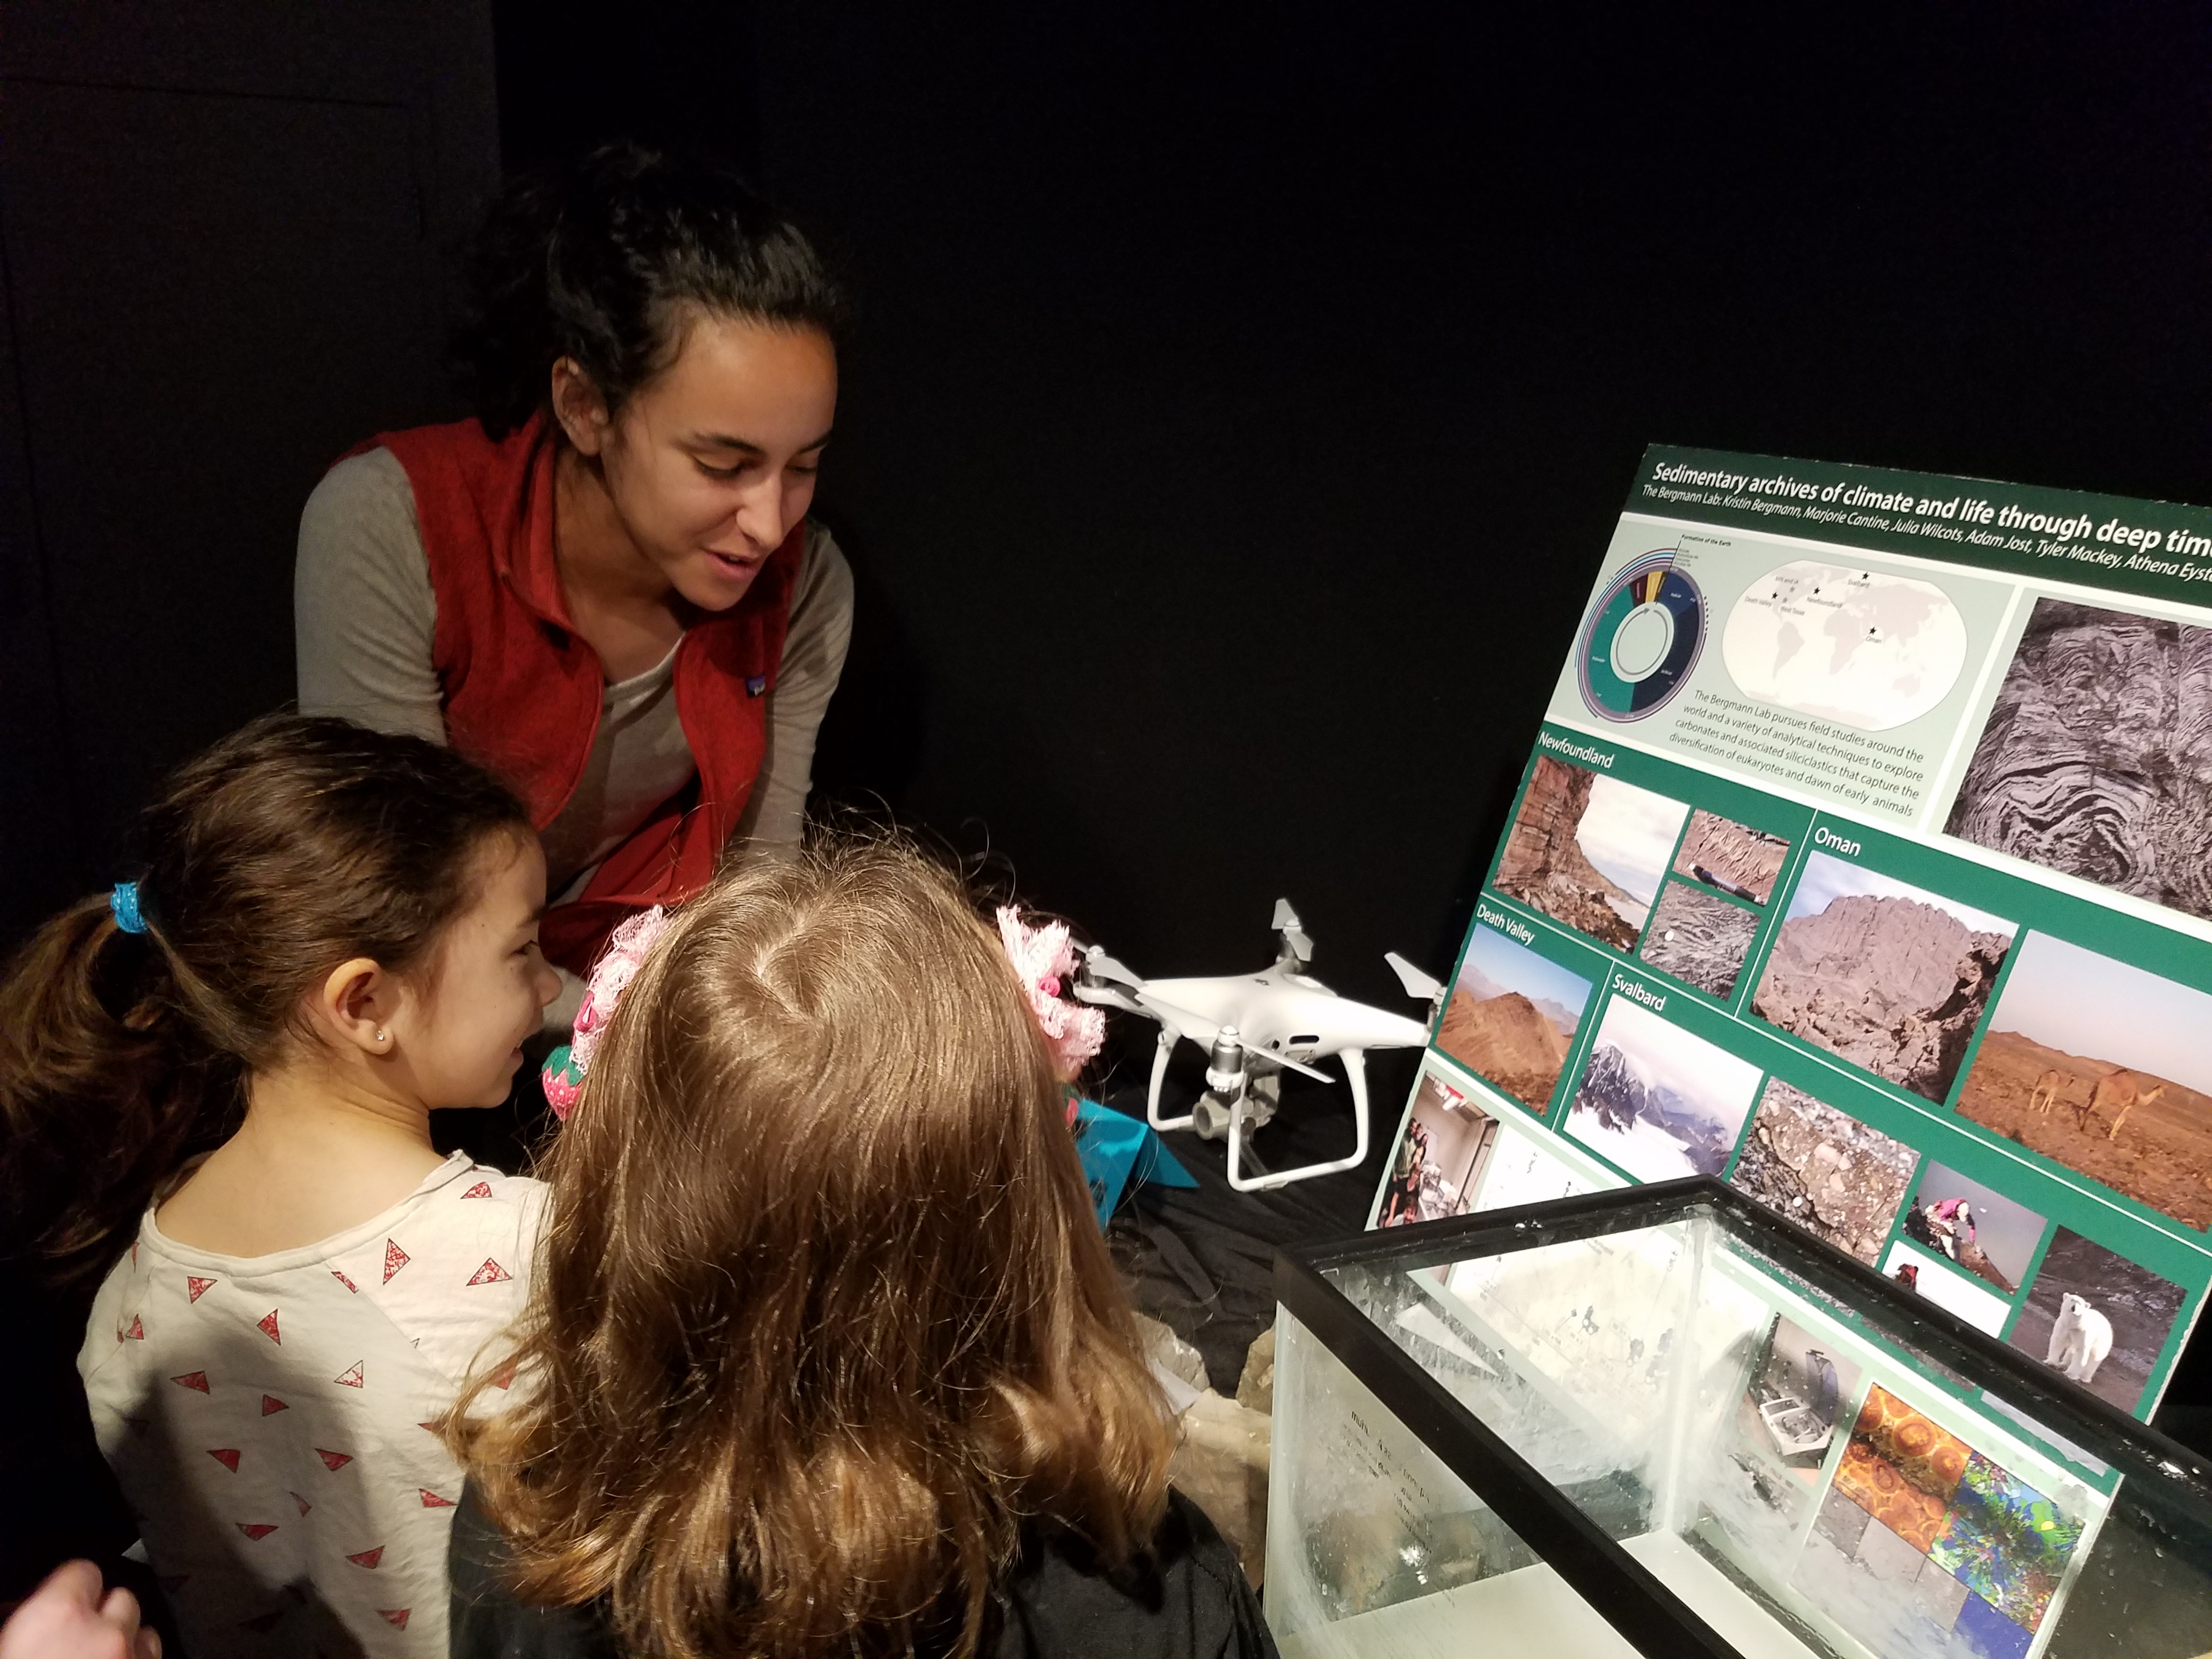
269	1417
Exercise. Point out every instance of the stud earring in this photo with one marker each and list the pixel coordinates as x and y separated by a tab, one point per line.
380	1036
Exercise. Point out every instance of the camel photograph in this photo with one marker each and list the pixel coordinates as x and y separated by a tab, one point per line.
2102	1066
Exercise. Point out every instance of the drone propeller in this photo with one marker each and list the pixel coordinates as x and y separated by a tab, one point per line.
1191	1025
1417	983
1101	966
1294	934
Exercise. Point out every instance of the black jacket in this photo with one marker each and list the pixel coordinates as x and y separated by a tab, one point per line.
1188	1600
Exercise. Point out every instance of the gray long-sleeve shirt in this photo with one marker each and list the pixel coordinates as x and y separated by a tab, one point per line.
365	615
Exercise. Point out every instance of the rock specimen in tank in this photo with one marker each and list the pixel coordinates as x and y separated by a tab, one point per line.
1891	984
1544	868
2097	758
1507	1039
1733	857
1824	1170
1699	937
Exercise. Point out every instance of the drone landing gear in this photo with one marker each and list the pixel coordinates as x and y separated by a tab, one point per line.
1240	1097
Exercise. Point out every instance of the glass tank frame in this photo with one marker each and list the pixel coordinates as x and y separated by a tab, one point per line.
1435	1429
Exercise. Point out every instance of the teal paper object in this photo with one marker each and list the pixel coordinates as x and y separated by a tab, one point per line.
1120	1152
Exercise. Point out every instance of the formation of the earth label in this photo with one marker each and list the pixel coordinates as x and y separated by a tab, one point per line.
1861	648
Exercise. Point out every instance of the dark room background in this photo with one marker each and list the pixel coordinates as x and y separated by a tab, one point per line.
1240	399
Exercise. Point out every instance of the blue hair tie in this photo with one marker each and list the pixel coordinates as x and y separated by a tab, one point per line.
123	902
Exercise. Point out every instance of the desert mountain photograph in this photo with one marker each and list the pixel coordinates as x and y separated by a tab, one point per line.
1512	1017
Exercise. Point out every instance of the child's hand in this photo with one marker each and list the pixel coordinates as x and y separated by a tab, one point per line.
67	1618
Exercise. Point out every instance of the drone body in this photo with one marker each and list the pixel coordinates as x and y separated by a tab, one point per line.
1255	1027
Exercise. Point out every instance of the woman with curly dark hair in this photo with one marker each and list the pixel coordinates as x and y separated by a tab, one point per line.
606	587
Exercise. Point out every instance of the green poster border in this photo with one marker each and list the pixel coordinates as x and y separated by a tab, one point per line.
1783	496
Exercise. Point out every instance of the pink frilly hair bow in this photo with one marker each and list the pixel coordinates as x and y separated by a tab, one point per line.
564	1068
1043	961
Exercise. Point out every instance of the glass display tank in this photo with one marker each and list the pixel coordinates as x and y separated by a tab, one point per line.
1654	1421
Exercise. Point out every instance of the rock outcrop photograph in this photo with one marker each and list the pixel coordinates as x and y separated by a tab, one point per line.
1589	851
1699	937
1824	1170
1512	1018
2097	757
2103	1066
1731	856
1889	976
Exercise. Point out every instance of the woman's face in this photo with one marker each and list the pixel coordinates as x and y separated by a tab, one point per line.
711	463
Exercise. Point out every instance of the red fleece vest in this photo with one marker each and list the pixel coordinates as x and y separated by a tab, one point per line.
523	690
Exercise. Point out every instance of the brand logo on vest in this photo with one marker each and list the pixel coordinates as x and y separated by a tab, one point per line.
754	685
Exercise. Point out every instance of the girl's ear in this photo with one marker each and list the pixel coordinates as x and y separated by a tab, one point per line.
579	408
356	1002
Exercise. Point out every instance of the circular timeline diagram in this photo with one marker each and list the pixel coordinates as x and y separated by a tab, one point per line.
1641	641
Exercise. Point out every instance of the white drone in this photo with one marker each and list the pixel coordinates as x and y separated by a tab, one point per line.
1253	1028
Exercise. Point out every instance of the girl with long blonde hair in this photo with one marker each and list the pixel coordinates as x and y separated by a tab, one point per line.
826	1353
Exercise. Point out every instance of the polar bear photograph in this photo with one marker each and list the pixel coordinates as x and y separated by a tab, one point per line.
2095	1316
2081	1340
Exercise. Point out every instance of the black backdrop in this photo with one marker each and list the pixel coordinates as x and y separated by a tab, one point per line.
1241	398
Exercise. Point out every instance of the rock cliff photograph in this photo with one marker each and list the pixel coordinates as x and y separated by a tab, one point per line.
1657	1101
1589	851
1890	976
2104	1067
2096	756
2115	1335
1699	937
1824	1170
1730	856
1512	1018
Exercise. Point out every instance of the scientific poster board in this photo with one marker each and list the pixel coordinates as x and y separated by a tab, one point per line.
1864	860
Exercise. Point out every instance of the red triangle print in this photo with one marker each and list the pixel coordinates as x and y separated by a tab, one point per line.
196	1287
353	1377
481	1190
134	1332
134	1252
334	1461
367	1557
304	1504
257	1531
193	1380
271	1404
432	1427
504	1376
226	1456
490	1273
344	1280
432	1501
398	1618
267	1326
394	1259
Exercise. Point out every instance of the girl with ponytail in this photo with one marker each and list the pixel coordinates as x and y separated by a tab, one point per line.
605	585
215	1084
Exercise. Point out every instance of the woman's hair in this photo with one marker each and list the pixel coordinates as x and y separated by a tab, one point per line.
822	1315
609	260
282	851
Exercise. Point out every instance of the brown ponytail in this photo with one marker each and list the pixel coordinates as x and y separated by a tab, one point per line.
271	858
